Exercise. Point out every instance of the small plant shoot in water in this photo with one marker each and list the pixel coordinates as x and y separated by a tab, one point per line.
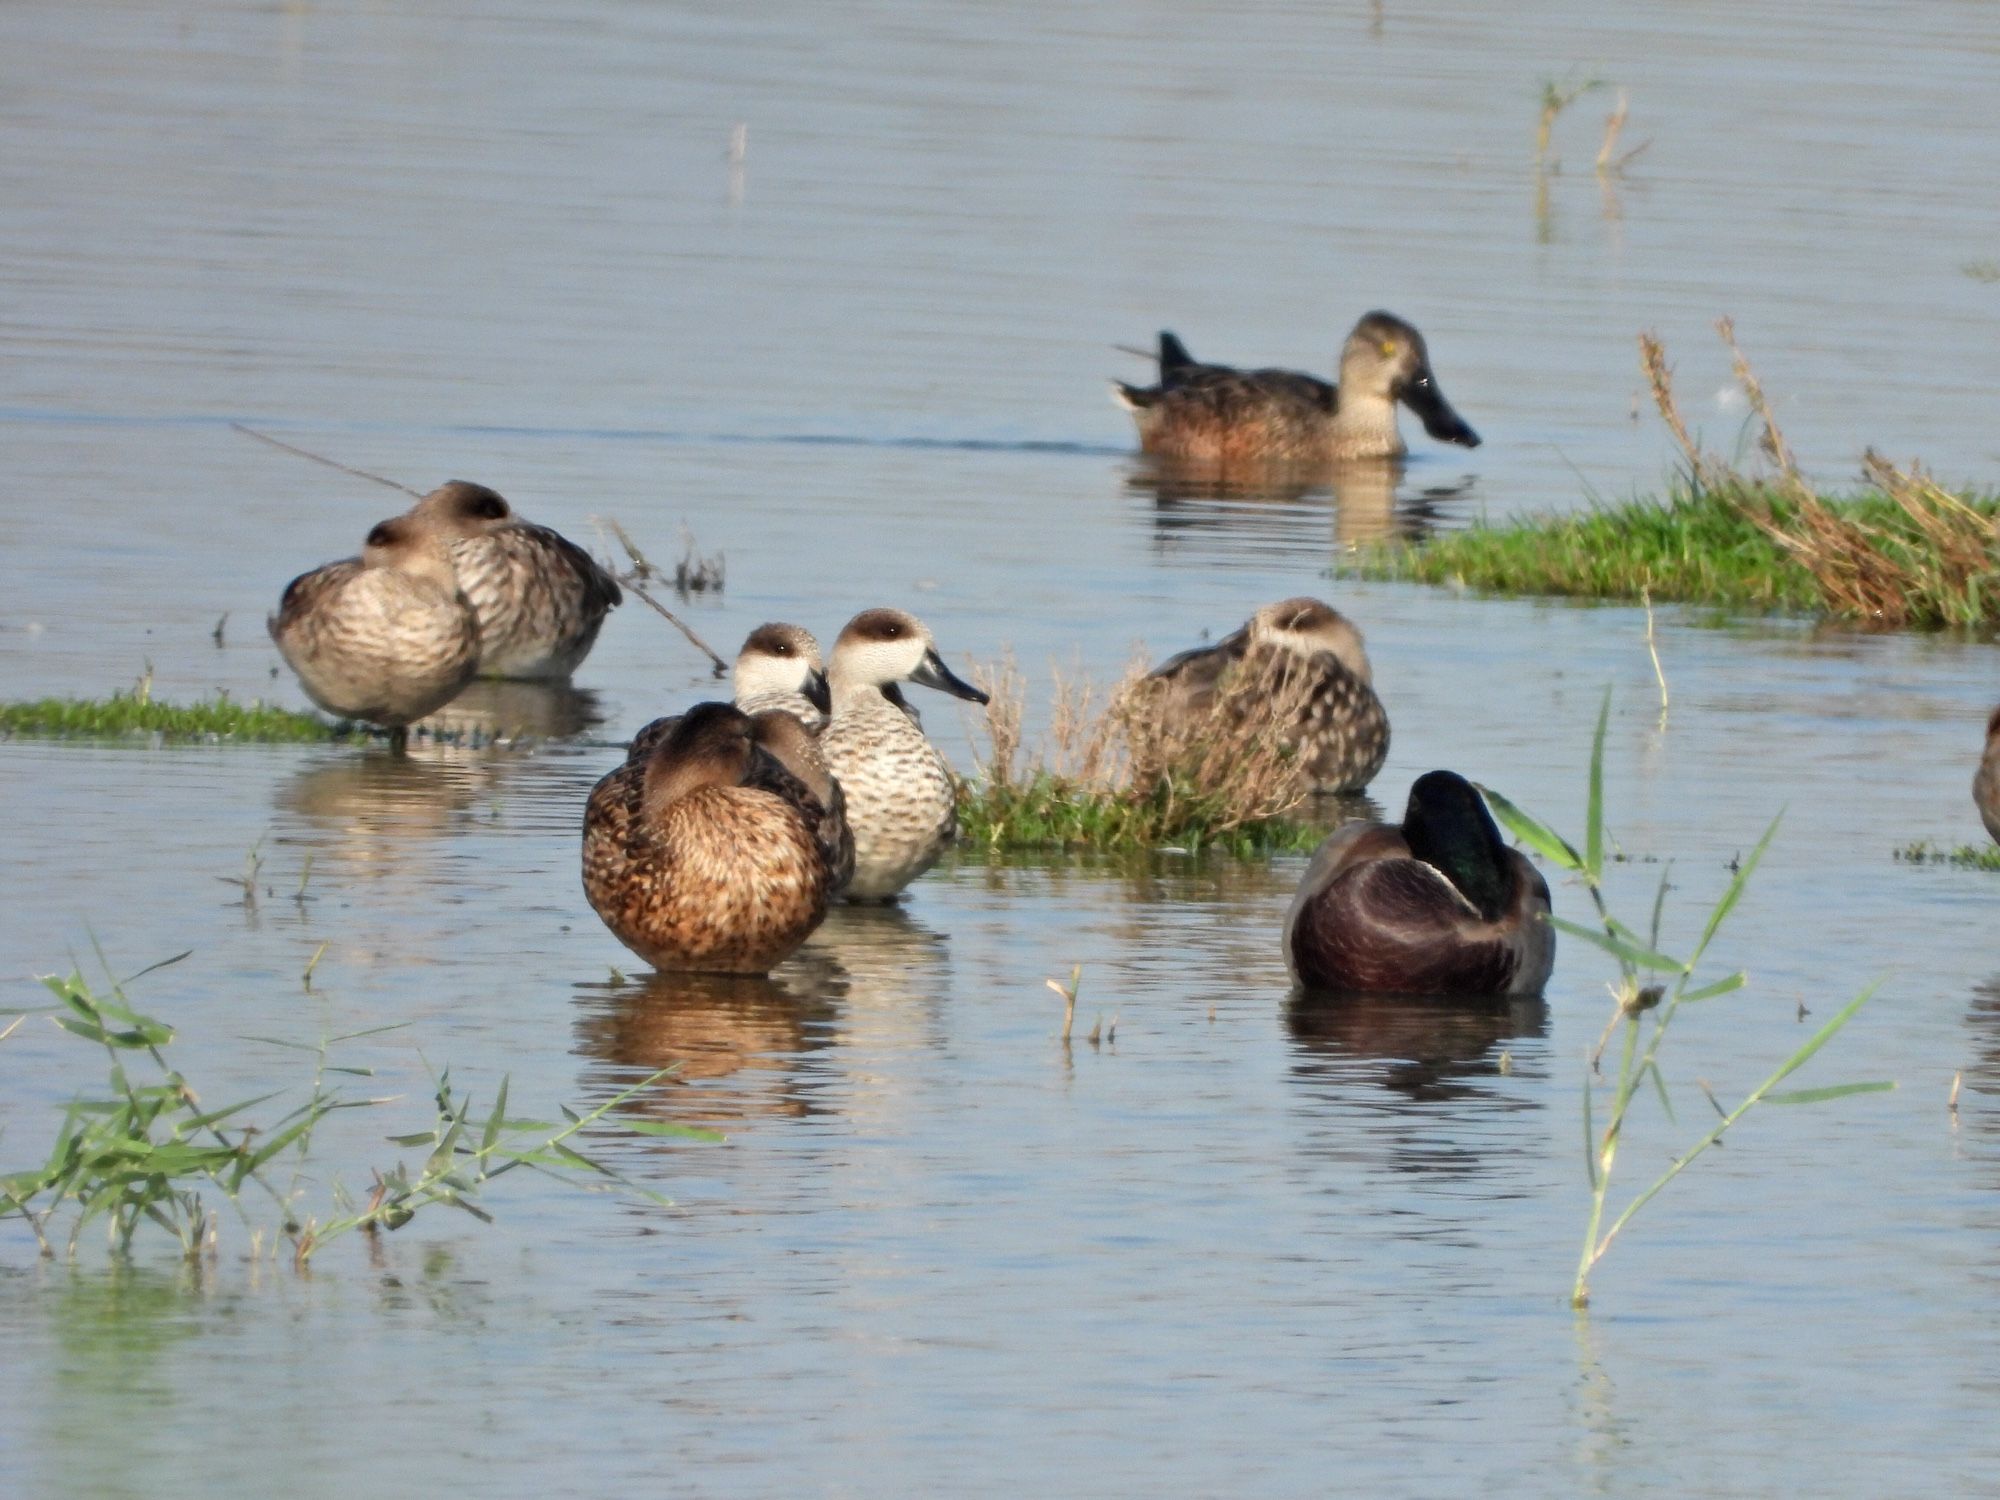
1636	999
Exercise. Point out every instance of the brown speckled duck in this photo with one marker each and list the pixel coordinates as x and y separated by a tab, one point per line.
1215	413
1302	664
900	800
1986	781
540	598
1439	906
386	637
707	852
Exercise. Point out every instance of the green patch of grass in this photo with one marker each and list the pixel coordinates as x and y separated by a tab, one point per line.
1702	546
125	714
1964	857
1049	811
1692	547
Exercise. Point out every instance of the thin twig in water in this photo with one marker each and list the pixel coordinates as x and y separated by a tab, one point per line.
1653	649
642	569
320	458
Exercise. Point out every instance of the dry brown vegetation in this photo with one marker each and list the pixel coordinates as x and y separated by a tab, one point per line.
1920	556
1112	772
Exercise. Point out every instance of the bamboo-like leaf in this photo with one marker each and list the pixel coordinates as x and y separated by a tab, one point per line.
1593	833
1725	986
1831	1091
493	1121
1589	1135
1531	831
1659	905
1644	958
1735	892
415	1138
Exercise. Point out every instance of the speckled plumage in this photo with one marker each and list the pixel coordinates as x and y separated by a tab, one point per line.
1986	781
540	598
386	637
900	800
1219	414
1376	912
707	854
1302	665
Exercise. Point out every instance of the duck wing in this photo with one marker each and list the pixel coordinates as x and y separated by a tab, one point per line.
1398	926
1191	678
826	821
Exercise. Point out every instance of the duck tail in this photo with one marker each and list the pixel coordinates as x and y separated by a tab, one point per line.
1173	353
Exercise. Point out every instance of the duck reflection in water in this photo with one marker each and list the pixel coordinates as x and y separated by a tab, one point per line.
740	1045
1278	513
1427	1049
490	709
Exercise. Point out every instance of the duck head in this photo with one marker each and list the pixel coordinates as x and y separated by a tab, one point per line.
461	509
409	546
710	746
881	647
1448	827
1306	627
1385	360
779	658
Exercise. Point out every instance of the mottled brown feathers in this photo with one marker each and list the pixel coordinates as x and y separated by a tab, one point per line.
705	852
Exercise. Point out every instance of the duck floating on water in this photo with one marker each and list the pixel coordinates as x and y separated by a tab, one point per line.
718	848
1437	906
1301	665
386	637
900	800
540	598
1219	414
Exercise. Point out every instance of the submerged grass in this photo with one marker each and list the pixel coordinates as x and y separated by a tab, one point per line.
1111	776
1905	553
1964	857
125	714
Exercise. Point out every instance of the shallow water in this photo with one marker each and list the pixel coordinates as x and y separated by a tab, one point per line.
1239	1246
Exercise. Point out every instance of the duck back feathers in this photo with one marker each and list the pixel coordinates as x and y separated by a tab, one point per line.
1375	913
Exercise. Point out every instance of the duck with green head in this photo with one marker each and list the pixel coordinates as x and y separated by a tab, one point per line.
1437	906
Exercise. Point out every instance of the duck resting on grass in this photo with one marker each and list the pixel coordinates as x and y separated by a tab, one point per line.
1219	414
718	846
386	637
1438	906
1301	665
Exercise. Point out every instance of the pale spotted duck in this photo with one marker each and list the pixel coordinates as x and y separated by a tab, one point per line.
540	598
777	671
385	637
779	668
900	800
709	852
1437	906
1218	414
1302	665
1986	781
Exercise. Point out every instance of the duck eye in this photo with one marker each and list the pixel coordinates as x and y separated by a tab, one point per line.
491	507
382	535
1388	347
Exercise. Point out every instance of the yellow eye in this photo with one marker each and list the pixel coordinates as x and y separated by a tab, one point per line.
1388	347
